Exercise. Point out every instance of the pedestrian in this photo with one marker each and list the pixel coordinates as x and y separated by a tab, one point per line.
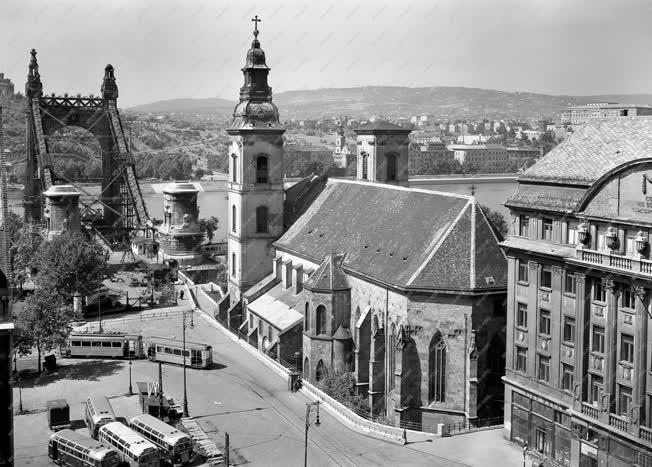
181	295
404	436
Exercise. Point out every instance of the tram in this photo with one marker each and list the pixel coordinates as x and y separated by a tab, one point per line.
171	351
132	448
104	345
175	446
98	412
67	447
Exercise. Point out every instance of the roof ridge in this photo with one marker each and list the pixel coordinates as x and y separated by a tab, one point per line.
400	188
473	245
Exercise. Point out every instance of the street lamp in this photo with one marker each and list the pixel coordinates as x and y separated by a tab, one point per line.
131	391
185	393
524	452
309	408
296	359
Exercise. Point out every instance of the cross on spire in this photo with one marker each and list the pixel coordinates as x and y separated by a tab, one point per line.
256	20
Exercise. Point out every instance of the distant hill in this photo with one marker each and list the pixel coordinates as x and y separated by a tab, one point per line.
394	101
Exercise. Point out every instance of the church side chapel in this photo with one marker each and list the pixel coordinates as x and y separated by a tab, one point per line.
402	288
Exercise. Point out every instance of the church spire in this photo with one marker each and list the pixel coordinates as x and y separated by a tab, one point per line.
33	87
255	109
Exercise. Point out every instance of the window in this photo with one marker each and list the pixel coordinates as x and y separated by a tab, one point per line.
626	348
233	264
391	167
106	344
628	298
523	271
597	340
365	169
437	369
521	359
524	226
234	174
571	232
233	220
567	377
176	351
630	245
306	317
261	219
570	283
546	277
599	292
320	320
547	228
602	239
168	350
96	344
569	330
116	344
544	322
543	371
75	343
541	442
624	400
595	389
262	175
521	315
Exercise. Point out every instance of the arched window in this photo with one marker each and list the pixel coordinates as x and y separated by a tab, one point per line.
391	167
262	170
437	369
234	175
306	317
306	367
320	371
365	169
233	221
261	219
320	320
392	356
233	264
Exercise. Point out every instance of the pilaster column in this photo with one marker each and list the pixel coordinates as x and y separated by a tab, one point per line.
555	317
532	317
610	348
582	334
637	415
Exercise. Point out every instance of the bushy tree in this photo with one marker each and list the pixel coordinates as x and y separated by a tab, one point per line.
208	226
23	253
341	386
497	222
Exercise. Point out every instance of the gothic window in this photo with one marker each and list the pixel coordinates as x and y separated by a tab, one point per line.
365	169
320	320
391	167
392	356
306	317
233	222
234	175
320	371
261	219
437	369
306	366
233	264
262	170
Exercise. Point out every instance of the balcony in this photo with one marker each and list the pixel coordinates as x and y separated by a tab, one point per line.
567	351
645	434
618	422
591	411
624	263
625	371
596	362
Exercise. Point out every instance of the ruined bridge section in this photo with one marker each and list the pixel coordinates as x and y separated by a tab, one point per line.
123	207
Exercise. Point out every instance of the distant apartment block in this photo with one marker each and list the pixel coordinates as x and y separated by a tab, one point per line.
6	86
493	158
423	152
422	120
579	115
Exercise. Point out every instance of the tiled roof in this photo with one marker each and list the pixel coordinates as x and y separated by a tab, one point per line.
299	196
399	236
329	276
542	197
278	307
593	150
381	126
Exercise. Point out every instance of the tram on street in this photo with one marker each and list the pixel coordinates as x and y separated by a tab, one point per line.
171	351
132	448
98	413
174	446
69	448
104	345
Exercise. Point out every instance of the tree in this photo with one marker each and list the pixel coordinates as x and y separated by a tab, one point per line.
69	262
23	253
208	226
497	222
199	173
45	321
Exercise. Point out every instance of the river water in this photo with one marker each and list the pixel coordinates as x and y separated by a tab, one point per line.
491	192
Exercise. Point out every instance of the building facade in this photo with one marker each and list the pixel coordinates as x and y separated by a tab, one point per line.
578	383
422	156
579	115
6	86
492	158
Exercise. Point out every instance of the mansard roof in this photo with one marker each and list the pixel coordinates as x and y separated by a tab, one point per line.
410	239
329	276
593	150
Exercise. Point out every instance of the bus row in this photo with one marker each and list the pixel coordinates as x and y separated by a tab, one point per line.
145	442
159	349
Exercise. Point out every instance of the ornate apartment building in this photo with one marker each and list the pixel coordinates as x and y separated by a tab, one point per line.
578	383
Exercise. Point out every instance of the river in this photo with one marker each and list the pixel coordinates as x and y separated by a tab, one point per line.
489	191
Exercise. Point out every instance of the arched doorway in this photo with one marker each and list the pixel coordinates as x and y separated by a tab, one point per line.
321	371
306	367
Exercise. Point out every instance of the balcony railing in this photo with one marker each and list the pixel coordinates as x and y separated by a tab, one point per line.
618	422
615	261
591	411
646	434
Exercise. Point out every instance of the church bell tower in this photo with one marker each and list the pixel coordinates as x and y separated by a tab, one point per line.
255	189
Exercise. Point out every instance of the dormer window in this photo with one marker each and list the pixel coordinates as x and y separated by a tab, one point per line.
547	228
524	226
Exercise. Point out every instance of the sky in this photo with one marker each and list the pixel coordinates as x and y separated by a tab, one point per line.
166	49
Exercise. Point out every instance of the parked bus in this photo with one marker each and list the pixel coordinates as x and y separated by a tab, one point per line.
171	351
105	345
175	446
67	447
132	448
98	412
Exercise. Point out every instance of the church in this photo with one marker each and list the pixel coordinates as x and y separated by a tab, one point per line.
402	287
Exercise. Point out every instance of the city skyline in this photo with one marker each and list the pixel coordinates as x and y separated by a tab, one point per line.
542	47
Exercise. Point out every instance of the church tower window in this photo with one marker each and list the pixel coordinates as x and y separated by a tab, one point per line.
306	317
437	369
233	222
234	175
233	264
320	320
365	169
262	175
391	167
261	219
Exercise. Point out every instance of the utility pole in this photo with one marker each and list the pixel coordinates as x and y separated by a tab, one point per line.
99	300
185	393
309	408
160	390
226	449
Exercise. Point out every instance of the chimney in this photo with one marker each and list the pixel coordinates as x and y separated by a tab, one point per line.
297	273
287	274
